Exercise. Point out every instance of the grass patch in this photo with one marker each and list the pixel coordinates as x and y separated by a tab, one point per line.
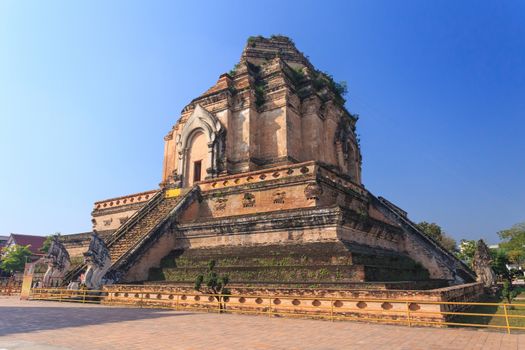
496	313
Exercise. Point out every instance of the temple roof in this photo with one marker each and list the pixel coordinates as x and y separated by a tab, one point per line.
34	242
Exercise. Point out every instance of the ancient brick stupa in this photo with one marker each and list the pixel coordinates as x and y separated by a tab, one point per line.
262	173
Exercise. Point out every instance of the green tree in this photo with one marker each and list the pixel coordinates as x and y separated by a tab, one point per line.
435	232
214	283
47	242
432	230
448	242
513	241
499	264
467	248
14	258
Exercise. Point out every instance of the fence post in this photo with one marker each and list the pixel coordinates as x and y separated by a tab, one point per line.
141	299
84	297
506	318
177	302
218	297
408	314
332	309
270	307
60	295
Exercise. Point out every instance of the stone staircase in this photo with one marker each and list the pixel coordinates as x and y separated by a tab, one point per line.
142	224
125	241
463	272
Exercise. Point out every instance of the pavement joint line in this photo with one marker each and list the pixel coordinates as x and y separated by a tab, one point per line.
53	325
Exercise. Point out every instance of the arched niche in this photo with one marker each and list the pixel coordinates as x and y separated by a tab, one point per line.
197	157
347	151
202	139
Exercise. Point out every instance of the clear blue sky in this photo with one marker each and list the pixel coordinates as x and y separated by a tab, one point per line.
88	89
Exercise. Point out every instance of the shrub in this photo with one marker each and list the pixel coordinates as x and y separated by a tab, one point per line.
213	283
508	292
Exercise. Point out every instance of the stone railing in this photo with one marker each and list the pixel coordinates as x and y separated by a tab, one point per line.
409	307
141	197
432	308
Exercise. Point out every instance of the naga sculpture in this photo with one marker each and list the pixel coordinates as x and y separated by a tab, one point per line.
58	263
98	262
481	265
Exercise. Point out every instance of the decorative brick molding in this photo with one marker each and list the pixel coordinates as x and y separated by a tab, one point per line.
313	191
248	200
273	174
124	200
279	197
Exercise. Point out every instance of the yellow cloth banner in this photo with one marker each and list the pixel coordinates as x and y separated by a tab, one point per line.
173	192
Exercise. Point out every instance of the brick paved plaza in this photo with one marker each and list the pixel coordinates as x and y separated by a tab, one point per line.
53	325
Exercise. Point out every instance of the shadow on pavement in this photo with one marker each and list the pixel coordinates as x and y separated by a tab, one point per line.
15	319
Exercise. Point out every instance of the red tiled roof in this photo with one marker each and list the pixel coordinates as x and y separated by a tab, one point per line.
35	242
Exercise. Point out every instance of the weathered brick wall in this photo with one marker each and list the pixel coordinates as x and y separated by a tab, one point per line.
279	112
386	305
300	204
313	264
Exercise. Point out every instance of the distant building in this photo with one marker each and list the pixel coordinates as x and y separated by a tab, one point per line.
3	241
35	243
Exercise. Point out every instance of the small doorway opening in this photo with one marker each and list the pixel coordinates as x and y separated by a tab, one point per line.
197	165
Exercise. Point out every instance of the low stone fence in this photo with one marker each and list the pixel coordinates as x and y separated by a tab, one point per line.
412	307
9	286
